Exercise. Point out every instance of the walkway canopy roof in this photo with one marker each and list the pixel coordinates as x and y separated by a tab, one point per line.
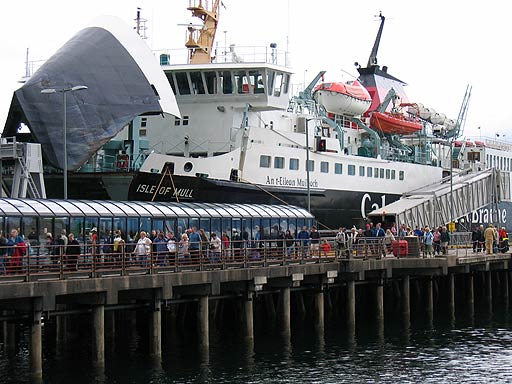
97	208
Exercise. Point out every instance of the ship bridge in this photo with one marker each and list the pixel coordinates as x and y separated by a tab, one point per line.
448	200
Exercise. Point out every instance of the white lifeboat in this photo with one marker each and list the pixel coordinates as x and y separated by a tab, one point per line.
349	98
437	118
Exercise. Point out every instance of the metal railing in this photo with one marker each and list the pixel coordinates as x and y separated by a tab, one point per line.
32	263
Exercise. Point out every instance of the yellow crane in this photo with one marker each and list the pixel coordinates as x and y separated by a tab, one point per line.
201	46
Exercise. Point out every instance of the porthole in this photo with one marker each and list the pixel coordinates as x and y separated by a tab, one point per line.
188	166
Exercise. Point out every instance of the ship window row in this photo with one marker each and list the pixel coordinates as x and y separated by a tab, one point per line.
256	81
499	162
362	171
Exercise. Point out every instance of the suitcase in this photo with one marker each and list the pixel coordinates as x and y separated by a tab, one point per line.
400	248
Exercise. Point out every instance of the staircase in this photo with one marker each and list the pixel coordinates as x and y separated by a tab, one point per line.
27	163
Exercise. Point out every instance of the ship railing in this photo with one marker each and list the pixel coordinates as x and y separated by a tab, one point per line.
38	262
226	55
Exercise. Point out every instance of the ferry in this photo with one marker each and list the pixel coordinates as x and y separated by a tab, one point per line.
241	135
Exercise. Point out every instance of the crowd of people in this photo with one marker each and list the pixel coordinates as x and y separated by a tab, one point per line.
159	248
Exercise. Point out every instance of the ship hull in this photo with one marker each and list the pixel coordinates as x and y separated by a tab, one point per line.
332	208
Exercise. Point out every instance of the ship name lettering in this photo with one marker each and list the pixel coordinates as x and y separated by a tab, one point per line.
146	188
367	198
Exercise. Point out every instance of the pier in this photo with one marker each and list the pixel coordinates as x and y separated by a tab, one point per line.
278	288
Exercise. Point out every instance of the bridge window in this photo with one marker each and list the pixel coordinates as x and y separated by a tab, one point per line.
324	167
256	81
270	82
401	175
227	82
182	82
351	169
264	161
294	164
279	162
211	82
369	171
338	168
170	77
242	85
310	166
361	170
278	84
197	83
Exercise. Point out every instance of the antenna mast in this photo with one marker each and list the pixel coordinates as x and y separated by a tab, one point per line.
140	25
201	47
373	55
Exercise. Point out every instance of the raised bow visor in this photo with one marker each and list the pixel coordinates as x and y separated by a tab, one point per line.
123	80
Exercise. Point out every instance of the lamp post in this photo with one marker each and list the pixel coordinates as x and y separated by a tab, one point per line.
64	92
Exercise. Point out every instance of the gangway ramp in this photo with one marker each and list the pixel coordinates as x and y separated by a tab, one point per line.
448	200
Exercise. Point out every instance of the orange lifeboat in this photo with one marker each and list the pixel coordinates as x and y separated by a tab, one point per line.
394	123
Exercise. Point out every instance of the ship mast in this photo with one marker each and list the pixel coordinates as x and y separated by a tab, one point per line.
373	55
200	49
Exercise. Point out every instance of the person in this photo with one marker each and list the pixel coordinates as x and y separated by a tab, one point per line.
352	241
183	252
379	231
237	242
303	238
504	240
215	248
315	241
475	238
205	244
194	242
428	240
3	254
326	247
160	248
445	239
143	249
341	242
388	241
72	253
225	245
117	249
481	239
171	247
489	238
17	250
437	241
289	243
94	243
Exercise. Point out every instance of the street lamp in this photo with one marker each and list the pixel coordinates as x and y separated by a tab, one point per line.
64	91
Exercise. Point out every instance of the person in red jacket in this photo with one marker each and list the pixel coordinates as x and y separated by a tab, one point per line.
326	247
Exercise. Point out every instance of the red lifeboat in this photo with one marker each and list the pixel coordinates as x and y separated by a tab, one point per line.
349	98
395	123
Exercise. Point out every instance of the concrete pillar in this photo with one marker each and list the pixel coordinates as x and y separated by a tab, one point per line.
429	287
203	323
451	295
98	318
248	317
504	285
406	300
284	311
319	309
36	342
155	326
488	286
379	291
351	304
470	294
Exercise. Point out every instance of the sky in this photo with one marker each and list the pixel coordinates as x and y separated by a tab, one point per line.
438	47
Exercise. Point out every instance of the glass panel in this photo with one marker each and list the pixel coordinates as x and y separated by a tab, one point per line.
256	81
105	233
85	208
197	83
211	82
266	228
90	223
279	162
270	81
338	168
29	228
114	208
286	83
132	228
204	224
324	167
369	171
145	225
158	225
193	222
24	207
171	81
256	229
182	226
182	81
215	226
265	161
56	208
12	223
60	227
41	209
278	83
242	85
310	165
294	164
76	227
226	226
100	208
